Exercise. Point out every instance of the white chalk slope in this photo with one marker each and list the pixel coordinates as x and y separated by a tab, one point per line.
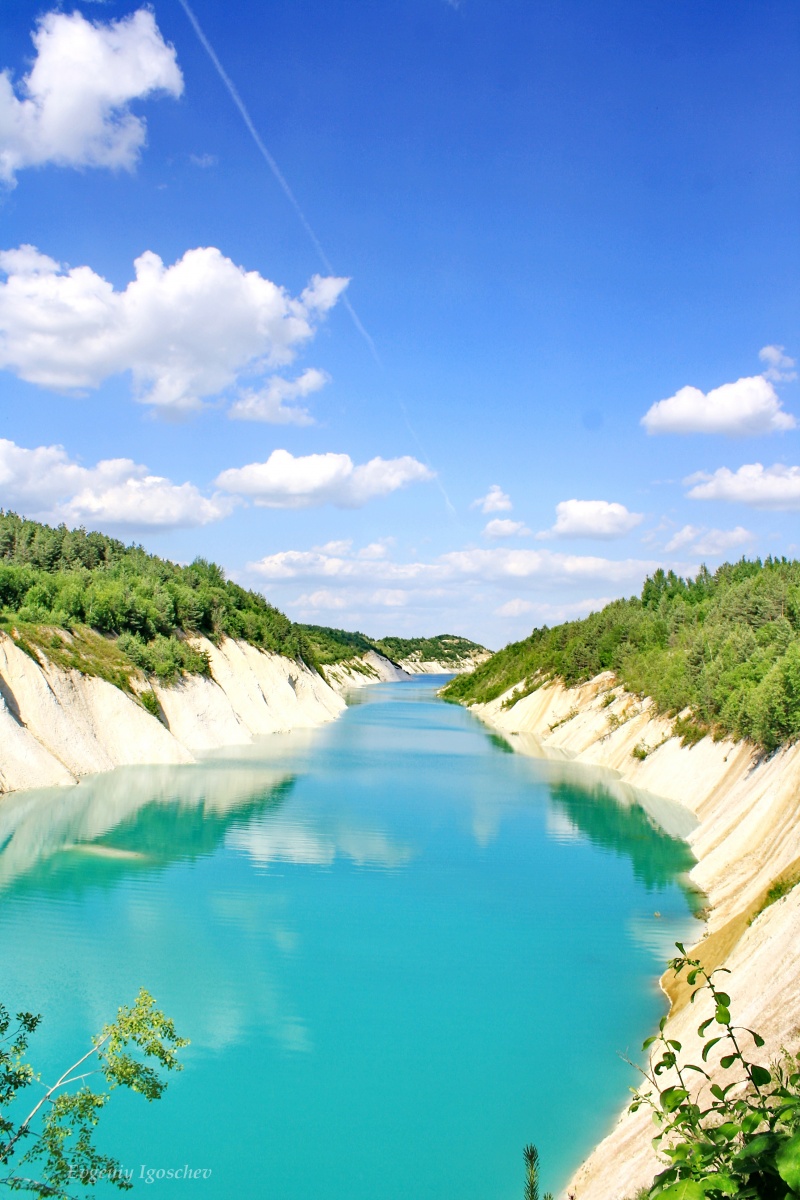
56	725
740	813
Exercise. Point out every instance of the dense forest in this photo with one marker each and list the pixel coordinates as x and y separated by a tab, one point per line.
92	603
71	580
724	645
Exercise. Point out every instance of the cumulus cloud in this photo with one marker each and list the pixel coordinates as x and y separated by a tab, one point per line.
185	332
780	367
776	487
591	519
495	500
748	407
310	481
275	402
73	107
117	492
711	542
503	528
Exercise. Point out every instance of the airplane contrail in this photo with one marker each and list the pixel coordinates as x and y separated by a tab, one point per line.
290	196
276	171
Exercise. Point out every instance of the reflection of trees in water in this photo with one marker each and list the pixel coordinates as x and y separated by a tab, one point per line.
657	858
56	844
166	832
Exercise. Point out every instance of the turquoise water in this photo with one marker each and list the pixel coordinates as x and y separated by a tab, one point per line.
401	952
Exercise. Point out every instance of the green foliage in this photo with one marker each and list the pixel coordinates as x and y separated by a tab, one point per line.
78	582
51	1150
531	1156
443	648
337	645
331	646
149	702
744	1138
725	646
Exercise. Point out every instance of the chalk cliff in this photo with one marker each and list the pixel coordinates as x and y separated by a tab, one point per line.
58	725
739	810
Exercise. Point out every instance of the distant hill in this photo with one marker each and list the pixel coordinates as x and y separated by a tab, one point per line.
724	645
446	651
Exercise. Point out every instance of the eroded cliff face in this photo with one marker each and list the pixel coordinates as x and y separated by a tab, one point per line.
56	725
362	671
740	813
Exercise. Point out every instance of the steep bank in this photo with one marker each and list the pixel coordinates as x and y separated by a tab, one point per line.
741	811
57	725
362	671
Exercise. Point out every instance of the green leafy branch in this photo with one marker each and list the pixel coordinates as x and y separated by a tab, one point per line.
57	1133
744	1139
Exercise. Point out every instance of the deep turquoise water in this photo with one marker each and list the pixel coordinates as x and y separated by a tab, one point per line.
400	952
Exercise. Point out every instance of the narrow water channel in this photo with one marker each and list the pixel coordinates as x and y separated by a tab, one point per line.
400	951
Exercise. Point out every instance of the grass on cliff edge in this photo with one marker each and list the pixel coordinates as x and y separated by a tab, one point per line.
725	645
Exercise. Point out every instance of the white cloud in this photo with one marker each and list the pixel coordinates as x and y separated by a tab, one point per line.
119	493
776	487
684	537
309	481
204	161
745	408
780	367
498	564
552	613
503	528
495	500
514	608
274	403
185	332
711	542
592	519
73	107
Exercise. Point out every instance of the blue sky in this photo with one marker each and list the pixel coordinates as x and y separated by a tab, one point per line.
557	220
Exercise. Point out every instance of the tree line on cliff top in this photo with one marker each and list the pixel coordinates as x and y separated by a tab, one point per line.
123	610
724	645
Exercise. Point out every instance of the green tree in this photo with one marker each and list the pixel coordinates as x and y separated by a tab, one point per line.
48	1149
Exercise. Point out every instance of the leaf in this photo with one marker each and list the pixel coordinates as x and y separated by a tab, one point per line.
727	1061
787	1160
684	1189
672	1097
701	1029
721	1183
724	999
759	1145
722	1015
760	1076
709	1046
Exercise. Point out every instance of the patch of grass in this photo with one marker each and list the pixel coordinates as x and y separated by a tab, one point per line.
690	730
782	886
640	751
82	649
573	712
149	702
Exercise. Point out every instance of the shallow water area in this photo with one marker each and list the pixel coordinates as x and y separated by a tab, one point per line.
401	952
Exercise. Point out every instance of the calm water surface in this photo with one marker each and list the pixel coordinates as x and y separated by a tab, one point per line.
400	952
